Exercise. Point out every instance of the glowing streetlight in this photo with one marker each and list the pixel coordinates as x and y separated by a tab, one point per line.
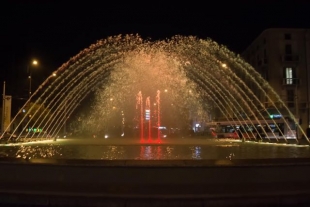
33	63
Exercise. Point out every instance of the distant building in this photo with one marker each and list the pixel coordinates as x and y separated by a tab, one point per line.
282	57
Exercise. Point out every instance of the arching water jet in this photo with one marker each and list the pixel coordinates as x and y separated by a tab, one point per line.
120	66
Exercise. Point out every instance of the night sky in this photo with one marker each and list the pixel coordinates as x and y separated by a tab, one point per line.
54	31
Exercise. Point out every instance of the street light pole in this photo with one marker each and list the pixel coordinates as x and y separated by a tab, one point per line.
34	62
29	77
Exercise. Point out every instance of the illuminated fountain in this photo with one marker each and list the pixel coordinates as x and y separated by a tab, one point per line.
146	116
94	91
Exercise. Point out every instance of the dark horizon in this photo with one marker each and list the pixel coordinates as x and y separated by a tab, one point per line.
54	31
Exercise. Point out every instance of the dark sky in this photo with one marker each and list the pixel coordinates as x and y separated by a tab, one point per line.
54	31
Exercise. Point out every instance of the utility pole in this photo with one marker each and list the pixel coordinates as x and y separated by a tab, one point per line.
297	118
3	108
65	121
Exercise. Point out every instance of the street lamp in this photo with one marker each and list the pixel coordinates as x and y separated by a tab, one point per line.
34	63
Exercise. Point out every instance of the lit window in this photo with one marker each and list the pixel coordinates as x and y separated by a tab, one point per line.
289	75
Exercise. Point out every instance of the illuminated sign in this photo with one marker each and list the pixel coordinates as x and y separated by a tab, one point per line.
147	114
275	116
35	130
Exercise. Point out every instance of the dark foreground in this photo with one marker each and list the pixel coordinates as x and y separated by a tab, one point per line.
52	182
216	181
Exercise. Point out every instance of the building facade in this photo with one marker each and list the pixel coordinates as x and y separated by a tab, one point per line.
282	57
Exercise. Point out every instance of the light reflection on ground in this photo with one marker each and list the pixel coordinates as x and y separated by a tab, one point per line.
166	149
